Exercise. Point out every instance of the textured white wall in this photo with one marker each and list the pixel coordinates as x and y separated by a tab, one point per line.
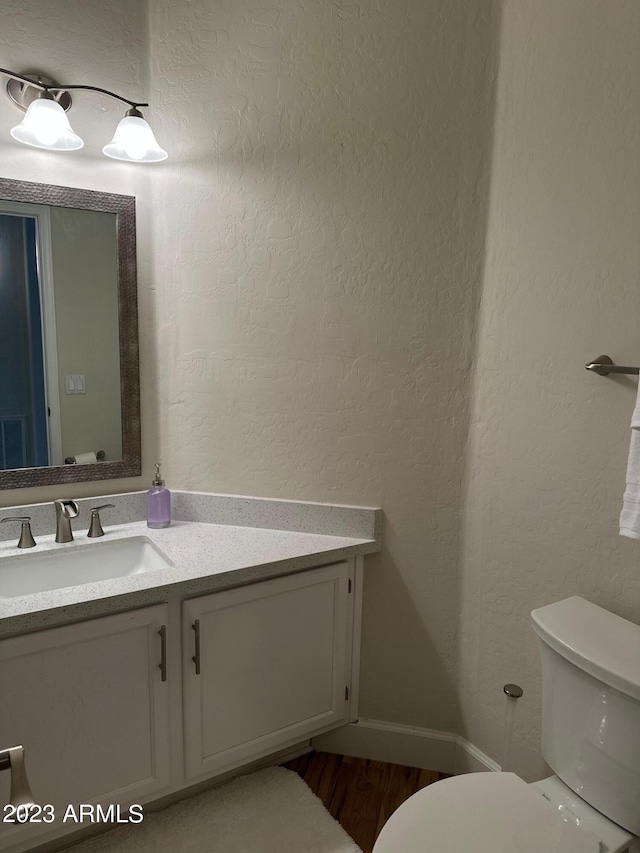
318	237
101	44
549	440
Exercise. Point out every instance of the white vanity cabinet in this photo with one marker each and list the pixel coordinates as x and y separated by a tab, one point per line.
127	708
88	703
264	666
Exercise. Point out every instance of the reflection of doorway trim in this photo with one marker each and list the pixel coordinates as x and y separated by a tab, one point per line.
49	336
44	260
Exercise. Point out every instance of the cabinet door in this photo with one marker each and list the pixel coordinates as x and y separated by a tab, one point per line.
88	704
272	667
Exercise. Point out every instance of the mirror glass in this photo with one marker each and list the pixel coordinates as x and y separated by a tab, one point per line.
69	388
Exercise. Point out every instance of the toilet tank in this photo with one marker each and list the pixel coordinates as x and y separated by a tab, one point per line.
591	705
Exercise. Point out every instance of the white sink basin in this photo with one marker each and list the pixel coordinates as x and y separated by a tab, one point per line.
77	565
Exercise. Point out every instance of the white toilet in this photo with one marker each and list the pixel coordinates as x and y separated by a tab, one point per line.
590	739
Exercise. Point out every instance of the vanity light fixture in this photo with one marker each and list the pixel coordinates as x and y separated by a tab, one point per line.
46	125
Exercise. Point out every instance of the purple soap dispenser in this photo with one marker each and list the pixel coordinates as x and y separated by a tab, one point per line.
158	503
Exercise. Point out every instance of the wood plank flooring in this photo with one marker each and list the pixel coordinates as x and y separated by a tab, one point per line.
359	793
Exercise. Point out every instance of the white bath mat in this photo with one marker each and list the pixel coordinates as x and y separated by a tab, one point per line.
272	811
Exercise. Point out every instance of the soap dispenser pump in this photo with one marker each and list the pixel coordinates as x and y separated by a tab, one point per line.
158	503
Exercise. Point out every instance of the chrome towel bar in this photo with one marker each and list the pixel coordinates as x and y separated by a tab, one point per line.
603	365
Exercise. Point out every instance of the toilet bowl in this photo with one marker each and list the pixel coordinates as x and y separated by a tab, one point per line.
590	739
497	813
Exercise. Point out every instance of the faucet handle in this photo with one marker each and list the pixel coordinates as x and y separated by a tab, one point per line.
26	537
95	527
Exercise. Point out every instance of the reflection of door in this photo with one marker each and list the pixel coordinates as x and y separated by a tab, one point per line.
27	410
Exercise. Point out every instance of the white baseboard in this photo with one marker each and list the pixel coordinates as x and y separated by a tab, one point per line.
469	759
408	745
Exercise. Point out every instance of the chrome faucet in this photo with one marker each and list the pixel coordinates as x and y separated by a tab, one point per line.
65	511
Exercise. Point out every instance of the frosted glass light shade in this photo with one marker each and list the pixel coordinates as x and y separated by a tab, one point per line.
134	141
46	125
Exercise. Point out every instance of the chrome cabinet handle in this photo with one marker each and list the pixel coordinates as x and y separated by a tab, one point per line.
162	666
196	657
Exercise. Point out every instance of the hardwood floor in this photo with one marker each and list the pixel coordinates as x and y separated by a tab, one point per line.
361	794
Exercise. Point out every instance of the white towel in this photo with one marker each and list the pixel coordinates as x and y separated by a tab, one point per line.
630	515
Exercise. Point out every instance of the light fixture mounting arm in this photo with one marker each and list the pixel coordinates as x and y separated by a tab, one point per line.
132	104
45	84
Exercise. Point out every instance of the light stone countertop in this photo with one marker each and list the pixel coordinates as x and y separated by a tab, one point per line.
206	557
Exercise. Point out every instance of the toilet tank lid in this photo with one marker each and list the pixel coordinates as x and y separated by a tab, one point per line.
595	640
